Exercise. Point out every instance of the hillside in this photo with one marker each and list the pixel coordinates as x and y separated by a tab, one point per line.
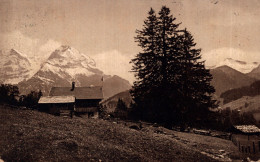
255	73
27	135
111	102
114	85
244	105
226	78
234	94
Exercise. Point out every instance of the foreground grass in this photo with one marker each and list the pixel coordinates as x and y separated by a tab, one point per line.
27	135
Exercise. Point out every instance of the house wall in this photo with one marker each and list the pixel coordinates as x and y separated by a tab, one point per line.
87	107
44	107
54	108
81	106
87	103
247	143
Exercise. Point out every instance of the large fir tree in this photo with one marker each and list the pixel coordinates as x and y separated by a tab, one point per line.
171	81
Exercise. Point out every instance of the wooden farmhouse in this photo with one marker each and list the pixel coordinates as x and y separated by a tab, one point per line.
57	104
247	138
86	100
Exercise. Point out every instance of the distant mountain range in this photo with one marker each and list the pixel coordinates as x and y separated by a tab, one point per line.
226	78
230	74
64	65
241	66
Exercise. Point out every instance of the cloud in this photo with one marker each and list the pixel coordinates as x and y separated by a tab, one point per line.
215	56
115	63
17	40
49	46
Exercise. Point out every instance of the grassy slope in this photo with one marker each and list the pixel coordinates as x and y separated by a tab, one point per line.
245	104
33	136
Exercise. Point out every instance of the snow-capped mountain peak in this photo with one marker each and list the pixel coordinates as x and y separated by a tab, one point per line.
67	64
242	66
69	56
14	66
16	53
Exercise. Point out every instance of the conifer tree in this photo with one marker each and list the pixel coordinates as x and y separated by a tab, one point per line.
121	109
194	81
121	106
171	81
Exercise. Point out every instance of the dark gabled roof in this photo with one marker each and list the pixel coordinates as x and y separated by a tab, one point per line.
78	92
56	99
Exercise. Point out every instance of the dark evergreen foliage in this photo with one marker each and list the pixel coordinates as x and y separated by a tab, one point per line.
121	109
8	94
30	100
172	85
103	114
227	119
121	105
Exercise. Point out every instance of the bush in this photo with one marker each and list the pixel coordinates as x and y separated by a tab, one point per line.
30	100
8	94
121	109
103	114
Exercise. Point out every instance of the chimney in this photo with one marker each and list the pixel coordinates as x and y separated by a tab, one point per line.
73	86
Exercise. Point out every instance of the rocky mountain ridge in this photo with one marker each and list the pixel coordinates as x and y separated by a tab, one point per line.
14	67
64	65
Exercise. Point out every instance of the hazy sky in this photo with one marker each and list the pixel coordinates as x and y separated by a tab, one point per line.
105	29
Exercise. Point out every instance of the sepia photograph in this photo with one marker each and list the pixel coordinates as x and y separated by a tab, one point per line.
129	80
